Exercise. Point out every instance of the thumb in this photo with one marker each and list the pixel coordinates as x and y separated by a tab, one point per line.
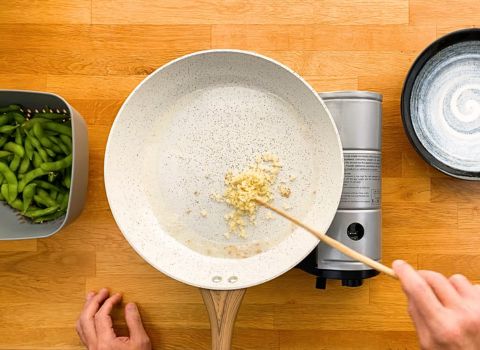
134	322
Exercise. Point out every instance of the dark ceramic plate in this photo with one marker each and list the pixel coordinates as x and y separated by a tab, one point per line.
441	104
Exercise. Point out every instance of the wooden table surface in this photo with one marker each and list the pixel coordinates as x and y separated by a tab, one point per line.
94	52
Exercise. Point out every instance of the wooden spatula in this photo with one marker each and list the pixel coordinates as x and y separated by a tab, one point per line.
332	242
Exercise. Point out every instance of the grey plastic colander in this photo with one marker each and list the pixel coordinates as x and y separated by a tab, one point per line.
12	224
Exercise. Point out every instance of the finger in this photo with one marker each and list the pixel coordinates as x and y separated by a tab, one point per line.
78	328
417	289
462	285
103	321
89	296
134	323
442	287
87	322
93	303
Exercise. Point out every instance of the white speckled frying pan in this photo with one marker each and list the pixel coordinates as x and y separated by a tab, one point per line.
168	151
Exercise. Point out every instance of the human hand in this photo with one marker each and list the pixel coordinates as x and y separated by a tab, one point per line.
95	326
446	312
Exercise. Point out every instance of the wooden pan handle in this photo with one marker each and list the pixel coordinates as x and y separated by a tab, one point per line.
222	307
333	243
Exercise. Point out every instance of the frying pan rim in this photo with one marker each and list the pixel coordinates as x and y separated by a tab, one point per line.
271	276
467	34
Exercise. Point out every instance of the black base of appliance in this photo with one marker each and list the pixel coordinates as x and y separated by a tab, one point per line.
352	278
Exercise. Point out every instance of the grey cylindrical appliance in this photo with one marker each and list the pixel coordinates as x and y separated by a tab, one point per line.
358	222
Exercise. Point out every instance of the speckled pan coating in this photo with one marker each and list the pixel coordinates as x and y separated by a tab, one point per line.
178	133
445	106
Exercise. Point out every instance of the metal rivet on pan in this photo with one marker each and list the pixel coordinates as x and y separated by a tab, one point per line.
232	279
217	279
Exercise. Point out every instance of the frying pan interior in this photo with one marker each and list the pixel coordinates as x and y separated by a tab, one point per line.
178	134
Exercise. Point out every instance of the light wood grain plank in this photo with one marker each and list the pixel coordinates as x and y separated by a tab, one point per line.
413	165
389	85
419	215
23	289
47	263
93	87
45	11
454	190
24	245
405	189
357	62
446	29
202	12
367	37
101	38
353	340
450	264
279	292
360	318
332	83
23	81
400	241
459	12
33	338
259	37
361	12
469	219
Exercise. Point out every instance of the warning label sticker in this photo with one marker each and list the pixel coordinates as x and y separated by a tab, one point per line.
362	183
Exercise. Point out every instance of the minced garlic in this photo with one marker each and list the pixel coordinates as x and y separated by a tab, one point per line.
243	188
284	190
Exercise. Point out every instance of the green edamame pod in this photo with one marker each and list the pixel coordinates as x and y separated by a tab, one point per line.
29	148
4	191
45	141
15	163
44	201
3	140
38	146
52	116
60	197
36	213
24	165
53	194
67	180
30	123
18	137
28	193
37	160
16	204
4	154
29	177
46	185
11	182
50	217
51	176
2	198
60	128
9	108
64	202
20	119
5	119
67	141
58	165
14	148
60	145
7	129
50	152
